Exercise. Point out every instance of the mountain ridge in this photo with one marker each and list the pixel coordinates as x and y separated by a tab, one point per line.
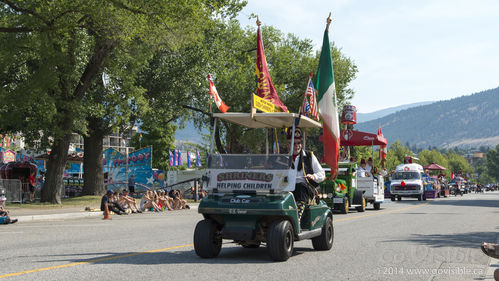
468	121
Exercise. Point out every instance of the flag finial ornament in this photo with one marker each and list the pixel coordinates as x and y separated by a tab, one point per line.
258	22
329	20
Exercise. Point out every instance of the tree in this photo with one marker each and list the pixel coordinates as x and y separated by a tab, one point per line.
395	155
493	163
52	52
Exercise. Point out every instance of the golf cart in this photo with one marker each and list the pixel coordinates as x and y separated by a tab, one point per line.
342	193
250	198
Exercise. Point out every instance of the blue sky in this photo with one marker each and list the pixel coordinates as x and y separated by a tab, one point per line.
406	51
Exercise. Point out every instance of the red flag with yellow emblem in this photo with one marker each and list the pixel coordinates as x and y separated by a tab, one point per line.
266	88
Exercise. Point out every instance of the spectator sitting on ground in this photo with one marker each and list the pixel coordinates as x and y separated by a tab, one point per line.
178	202
201	192
148	202
128	202
165	201
4	215
107	199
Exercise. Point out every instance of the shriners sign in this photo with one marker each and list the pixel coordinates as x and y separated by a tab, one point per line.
252	176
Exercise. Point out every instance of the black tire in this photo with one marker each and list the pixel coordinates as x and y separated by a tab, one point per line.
207	239
420	197
377	206
324	242
399	198
280	240
362	207
424	197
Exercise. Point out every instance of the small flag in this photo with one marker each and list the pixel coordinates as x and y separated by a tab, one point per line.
198	159
175	158
170	154
213	92
382	148
314	112
188	159
180	158
207	158
305	107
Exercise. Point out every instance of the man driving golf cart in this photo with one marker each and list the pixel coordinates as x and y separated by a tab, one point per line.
310	173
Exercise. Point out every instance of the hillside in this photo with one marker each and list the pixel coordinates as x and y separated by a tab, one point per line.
364	117
468	121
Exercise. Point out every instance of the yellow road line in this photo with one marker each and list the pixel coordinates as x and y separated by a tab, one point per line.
380	213
92	261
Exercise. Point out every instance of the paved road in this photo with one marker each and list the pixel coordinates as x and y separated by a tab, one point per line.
407	240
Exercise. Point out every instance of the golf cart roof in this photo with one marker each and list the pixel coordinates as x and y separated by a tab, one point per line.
267	120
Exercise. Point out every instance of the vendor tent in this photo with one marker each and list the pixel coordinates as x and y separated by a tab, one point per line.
434	166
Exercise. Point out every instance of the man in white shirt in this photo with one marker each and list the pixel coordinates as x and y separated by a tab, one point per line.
310	173
362	170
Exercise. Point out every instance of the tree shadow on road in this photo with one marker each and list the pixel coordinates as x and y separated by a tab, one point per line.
461	240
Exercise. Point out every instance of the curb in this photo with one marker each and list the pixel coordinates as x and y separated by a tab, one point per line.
57	216
31	218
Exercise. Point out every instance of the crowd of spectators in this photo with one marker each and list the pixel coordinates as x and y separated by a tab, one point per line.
122	203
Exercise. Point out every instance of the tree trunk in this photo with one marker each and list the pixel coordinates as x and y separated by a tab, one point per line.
92	162
53	186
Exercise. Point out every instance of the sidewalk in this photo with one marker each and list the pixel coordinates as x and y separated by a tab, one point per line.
71	212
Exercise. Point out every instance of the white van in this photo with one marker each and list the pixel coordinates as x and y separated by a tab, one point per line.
407	182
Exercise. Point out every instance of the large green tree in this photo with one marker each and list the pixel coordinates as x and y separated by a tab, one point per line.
51	52
493	163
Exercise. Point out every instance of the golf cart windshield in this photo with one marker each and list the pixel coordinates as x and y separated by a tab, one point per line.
249	161
255	173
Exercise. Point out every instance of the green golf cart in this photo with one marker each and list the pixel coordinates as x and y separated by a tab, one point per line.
250	198
341	194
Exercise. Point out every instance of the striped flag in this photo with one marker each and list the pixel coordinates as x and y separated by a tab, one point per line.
305	107
327	105
198	159
188	159
213	92
170	154
180	158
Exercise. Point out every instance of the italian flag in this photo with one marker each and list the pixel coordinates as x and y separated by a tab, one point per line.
327	105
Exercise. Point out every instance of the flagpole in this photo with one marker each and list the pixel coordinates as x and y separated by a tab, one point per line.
328	20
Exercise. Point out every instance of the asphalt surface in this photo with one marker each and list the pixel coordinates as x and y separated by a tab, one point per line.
407	240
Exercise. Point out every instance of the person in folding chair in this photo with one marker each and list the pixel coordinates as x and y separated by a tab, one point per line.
310	173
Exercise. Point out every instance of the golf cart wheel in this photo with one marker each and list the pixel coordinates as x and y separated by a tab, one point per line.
344	207
280	240
399	198
324	242
392	198
377	206
362	207
207	239
420	197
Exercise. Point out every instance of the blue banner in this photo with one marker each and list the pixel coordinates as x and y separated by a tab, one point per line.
139	162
